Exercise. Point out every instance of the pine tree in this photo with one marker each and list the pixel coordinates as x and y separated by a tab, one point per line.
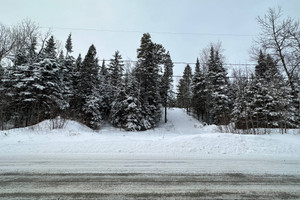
89	71
115	73
199	92
2	99
32	50
184	95
218	91
267	99
239	111
61	56
166	82
69	46
68	74
89	93
271	90
50	49
51	100
106	90
126	109
150	56
75	99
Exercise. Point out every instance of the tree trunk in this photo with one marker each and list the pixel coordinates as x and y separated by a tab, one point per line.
166	114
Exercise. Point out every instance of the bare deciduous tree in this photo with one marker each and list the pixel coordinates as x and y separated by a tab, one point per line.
281	38
7	41
204	55
21	36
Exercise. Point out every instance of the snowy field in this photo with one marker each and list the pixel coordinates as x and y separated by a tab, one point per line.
182	138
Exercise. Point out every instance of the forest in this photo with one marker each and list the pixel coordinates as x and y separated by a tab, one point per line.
44	81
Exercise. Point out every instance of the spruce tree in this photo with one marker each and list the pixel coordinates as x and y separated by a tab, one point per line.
218	91
166	82
2	99
106	90
75	99
115	73
69	46
199	92
126	109
150	56
184	95
50	49
51	97
89	93
267	99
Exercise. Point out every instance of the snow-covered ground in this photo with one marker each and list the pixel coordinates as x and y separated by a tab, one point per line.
182	135
183	145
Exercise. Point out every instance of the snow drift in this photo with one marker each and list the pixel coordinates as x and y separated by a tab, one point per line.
182	135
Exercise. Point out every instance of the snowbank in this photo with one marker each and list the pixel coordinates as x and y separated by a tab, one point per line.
182	135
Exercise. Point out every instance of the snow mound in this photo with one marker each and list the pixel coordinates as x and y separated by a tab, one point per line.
57	125
182	135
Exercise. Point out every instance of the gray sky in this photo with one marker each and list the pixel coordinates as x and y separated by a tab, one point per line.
233	22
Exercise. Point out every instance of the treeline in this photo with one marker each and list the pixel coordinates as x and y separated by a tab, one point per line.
43	81
268	97
262	99
46	83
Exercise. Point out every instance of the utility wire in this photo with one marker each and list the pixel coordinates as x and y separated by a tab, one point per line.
154	32
191	63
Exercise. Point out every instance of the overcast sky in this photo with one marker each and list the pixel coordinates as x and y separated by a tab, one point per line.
233	22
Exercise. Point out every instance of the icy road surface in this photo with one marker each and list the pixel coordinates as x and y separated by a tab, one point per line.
149	186
147	177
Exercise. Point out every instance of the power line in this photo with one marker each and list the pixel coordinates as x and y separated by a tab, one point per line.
153	32
190	63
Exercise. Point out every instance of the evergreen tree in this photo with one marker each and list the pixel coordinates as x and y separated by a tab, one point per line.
2	99
184	95
166	82
75	99
32	50
89	71
51	98
267	99
69	46
269	94
150	56
218	91
126	109
115	73
181	87
89	93
106	90
68	74
199	92
50	49
61	56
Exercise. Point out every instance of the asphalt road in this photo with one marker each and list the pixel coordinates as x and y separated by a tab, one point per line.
148	186
142	177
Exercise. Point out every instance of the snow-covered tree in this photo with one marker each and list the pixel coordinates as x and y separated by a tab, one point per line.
51	90
106	91
115	73
69	45
184	90
89	96
150	56
199	92
166	82
266	101
218	90
126	109
50	49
